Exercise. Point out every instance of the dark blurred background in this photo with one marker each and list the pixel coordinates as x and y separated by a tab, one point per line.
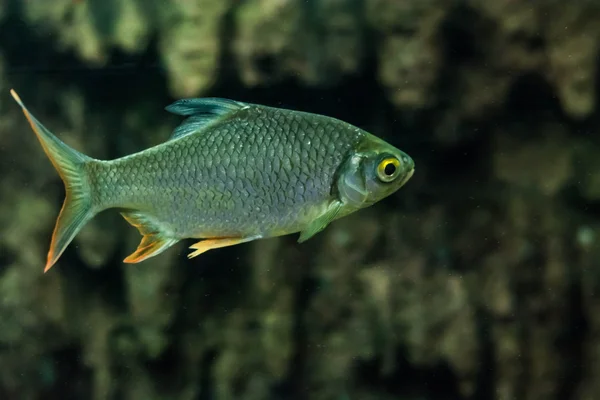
479	279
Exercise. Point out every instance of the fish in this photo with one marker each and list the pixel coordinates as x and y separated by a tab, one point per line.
230	173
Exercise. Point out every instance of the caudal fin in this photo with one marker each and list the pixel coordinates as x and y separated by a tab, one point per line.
77	208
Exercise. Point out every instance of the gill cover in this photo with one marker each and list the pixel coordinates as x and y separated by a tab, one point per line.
352	183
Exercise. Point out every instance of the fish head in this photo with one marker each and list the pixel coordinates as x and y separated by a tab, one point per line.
374	171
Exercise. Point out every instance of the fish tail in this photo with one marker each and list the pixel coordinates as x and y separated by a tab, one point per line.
77	208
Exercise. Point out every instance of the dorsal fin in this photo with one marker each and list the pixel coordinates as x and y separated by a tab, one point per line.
200	113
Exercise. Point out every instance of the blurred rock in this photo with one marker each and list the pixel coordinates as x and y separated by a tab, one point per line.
277	39
191	44
544	162
588	169
573	38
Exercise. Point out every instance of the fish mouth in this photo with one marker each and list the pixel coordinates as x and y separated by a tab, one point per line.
408	176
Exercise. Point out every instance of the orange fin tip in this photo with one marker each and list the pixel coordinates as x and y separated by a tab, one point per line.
210	244
49	265
150	246
154	240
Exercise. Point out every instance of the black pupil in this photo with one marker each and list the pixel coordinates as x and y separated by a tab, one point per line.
390	169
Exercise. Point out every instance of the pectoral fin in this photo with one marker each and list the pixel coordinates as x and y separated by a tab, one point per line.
209	244
321	222
154	241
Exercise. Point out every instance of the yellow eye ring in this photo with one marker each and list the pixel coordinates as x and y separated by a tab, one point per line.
388	169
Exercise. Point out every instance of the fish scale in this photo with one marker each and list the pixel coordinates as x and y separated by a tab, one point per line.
230	173
276	135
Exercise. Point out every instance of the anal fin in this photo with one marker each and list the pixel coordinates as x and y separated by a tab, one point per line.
154	241
209	244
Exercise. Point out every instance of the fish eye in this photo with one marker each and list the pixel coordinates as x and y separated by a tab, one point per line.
388	169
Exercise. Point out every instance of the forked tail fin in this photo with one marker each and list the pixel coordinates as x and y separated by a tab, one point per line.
77	208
